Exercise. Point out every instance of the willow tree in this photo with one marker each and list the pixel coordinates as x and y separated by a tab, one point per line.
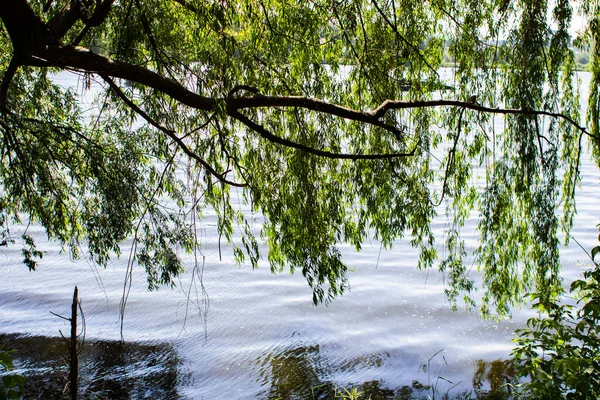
337	121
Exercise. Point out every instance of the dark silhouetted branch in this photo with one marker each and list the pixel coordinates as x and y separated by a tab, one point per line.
288	143
388	105
9	74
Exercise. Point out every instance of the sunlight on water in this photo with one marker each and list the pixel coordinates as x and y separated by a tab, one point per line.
262	336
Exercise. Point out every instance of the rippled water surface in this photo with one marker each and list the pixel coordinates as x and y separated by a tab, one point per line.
261	336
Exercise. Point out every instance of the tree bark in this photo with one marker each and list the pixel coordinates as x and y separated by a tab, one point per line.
28	33
74	362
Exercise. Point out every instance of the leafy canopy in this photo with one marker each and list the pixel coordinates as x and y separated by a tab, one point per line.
333	119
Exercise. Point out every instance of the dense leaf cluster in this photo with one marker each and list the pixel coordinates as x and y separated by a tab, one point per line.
333	119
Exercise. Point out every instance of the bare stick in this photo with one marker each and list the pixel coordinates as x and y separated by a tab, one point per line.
74	367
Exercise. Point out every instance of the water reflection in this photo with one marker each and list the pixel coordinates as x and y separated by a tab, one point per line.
497	376
296	373
108	369
115	370
304	372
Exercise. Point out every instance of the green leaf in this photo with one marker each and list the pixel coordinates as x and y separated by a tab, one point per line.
595	251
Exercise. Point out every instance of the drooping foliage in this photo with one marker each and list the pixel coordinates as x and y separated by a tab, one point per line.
558	352
338	121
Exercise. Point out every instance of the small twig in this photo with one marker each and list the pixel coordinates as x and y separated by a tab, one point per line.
537	132
451	157
399	35
582	248
60	316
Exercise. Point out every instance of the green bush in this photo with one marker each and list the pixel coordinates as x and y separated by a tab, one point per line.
559	351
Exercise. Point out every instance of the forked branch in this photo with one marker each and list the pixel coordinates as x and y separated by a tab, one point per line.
171	134
388	105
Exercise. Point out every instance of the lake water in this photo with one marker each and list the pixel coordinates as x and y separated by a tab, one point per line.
261	336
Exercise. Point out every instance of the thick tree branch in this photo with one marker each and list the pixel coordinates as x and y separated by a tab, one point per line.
95	19
64	20
28	33
9	74
74	11
100	13
85	60
237	103
374	117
